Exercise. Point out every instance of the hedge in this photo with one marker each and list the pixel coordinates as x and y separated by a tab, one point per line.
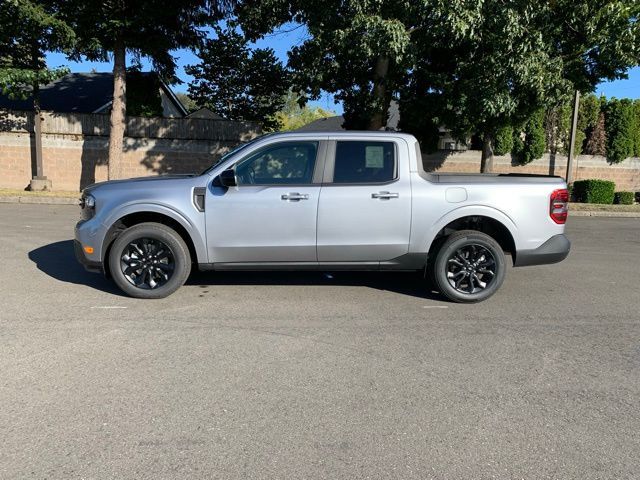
594	191
624	198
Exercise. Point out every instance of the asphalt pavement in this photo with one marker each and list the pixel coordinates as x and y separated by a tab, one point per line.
308	375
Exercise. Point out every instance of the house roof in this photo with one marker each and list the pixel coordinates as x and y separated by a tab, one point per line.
78	93
204	112
332	124
328	124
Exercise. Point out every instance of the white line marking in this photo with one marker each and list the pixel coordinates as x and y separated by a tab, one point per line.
108	306
435	306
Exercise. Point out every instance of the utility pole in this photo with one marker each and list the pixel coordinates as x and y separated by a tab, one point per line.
572	138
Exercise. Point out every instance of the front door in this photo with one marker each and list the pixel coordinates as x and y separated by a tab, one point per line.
270	216
364	213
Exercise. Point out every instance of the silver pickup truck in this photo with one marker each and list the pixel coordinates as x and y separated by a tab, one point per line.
323	201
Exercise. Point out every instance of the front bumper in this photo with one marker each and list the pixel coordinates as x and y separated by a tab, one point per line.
85	235
553	250
89	265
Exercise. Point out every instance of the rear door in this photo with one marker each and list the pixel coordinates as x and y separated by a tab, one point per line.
270	216
364	213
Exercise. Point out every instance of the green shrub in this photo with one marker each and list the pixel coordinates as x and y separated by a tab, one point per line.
624	198
594	191
619	123
504	140
532	146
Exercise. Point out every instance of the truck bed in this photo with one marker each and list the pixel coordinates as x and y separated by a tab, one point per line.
490	178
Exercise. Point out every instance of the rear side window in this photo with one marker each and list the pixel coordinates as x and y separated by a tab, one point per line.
364	162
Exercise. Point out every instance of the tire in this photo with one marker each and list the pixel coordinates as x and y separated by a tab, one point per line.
469	267
161	254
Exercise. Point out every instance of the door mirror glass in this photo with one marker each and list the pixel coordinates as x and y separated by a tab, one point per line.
228	178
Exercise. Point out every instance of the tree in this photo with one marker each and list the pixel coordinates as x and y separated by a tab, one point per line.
237	82
529	142
143	28
636	134
293	116
504	140
488	64
597	141
359	51
187	102
28	30
619	128
517	57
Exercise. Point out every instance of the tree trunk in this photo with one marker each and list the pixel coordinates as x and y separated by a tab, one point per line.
118	110
37	118
486	163
37	131
379	118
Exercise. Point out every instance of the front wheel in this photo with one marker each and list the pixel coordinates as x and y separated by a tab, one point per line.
149	260
469	267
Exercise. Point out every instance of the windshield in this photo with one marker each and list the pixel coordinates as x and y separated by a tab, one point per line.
231	152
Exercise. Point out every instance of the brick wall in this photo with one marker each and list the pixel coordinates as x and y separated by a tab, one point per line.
75	147
626	175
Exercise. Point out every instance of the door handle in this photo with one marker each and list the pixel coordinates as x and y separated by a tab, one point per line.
295	196
385	195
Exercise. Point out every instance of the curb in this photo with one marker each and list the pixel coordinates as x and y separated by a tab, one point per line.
598	213
39	200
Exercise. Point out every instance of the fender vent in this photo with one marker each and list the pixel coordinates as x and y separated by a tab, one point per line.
198	198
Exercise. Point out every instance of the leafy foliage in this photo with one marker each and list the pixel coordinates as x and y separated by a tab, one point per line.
504	141
239	83
624	198
143	95
530	144
636	130
27	30
187	102
594	191
357	50
485	65
597	141
619	115
293	116
145	28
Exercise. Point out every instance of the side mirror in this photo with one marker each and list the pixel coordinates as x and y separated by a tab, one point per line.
228	178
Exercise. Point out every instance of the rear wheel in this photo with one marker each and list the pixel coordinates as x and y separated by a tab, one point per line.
469	267
149	260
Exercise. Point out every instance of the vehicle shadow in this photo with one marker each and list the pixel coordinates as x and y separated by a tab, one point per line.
406	283
58	261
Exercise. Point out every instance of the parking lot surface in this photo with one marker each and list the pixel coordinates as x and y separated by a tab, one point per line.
307	375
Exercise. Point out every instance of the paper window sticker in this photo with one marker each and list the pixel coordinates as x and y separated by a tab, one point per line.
374	156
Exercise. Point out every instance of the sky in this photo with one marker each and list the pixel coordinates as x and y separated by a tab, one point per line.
290	35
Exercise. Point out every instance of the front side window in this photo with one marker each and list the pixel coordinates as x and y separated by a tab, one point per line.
288	163
364	162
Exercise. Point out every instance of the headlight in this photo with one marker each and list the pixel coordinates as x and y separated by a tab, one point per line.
87	206
87	201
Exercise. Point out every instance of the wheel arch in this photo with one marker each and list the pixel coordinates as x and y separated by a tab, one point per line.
488	221
155	214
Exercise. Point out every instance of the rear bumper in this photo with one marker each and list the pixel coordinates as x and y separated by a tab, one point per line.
89	265
553	250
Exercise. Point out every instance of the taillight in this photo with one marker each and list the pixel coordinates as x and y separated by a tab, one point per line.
559	205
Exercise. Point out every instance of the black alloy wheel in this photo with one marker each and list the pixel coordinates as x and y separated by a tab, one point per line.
149	260
469	267
147	263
